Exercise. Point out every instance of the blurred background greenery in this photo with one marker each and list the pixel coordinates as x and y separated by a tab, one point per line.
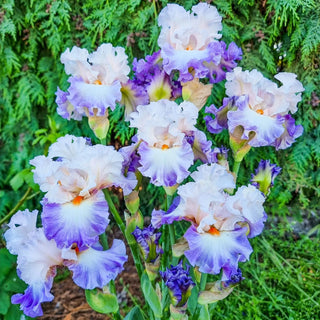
282	277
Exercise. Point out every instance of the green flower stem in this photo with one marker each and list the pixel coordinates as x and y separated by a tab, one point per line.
121	225
236	167
103	141
172	234
168	234
114	211
104	241
203	281
165	245
17	206
171	226
202	286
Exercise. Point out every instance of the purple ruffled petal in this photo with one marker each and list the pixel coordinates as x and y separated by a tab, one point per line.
257	227
148	241
79	223
179	282
144	70
30	301
217	72
65	108
213	252
220	120
182	60
165	167
131	157
160	217
133	95
93	96
96	268
230	277
201	147
267	129
290	134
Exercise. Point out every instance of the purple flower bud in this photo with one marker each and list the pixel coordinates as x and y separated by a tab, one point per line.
264	176
234	278
179	282
219	155
148	242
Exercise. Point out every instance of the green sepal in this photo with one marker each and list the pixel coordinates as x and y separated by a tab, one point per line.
152	269
178	313
132	201
239	146
171	190
132	221
99	125
102	302
214	291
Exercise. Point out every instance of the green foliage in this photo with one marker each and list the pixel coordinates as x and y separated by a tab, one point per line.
278	273
275	36
151	296
9	283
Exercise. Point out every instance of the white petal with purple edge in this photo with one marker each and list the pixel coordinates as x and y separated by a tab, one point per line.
30	301
249	200
165	167
80	221
96	268
94	96
212	252
38	259
267	129
21	224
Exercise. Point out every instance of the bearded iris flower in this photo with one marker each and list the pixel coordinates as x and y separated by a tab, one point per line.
95	82
220	223
38	258
166	135
257	110
189	43
73	176
188	39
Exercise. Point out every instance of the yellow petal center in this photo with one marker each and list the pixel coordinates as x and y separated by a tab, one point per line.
214	231
77	200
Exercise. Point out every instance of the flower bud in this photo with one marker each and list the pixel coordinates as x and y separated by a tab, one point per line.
179	282
264	176
148	242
